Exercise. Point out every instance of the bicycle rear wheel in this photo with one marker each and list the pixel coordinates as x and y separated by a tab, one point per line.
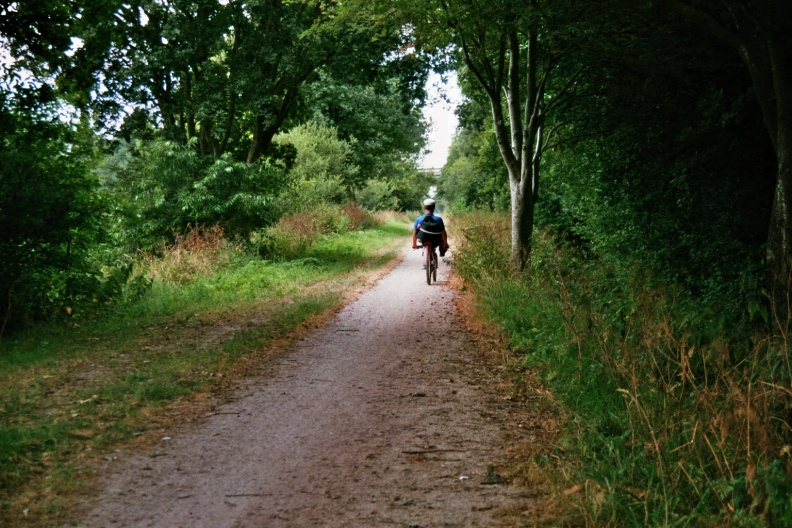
434	266
428	263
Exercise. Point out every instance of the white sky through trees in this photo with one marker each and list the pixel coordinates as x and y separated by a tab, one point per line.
444	97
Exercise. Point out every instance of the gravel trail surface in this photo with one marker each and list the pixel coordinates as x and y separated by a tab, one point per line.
376	419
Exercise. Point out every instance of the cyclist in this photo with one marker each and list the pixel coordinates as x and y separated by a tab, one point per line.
430	227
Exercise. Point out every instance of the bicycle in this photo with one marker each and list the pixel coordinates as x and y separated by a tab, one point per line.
430	261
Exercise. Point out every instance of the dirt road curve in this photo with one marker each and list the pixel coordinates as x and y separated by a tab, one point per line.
368	421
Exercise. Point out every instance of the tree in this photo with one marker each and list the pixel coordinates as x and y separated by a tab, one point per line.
51	218
759	32
40	42
512	50
499	44
322	169
219	72
166	186
474	176
228	74
381	119
52	215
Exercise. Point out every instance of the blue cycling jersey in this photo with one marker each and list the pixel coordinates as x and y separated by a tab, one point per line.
429	223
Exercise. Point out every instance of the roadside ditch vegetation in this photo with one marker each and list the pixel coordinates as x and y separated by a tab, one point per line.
204	308
678	405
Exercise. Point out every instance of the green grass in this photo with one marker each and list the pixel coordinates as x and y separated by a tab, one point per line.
69	392
676	419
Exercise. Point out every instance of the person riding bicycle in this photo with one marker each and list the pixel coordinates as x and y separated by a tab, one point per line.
430	228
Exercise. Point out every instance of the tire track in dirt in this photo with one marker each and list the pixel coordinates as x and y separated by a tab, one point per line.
367	421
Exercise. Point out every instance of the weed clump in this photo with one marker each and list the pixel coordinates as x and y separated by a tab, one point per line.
294	233
197	252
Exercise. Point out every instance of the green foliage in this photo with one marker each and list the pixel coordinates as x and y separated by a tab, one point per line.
678	179
377	195
296	232
322	171
380	119
681	412
229	75
664	163
474	176
39	64
408	185
53	231
199	251
167	187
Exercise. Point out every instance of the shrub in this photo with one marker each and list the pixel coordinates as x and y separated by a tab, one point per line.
53	226
377	195
168	187
358	217
321	170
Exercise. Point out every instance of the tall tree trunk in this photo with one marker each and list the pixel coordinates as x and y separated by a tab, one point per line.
258	143
518	131
766	49
520	143
761	36
779	240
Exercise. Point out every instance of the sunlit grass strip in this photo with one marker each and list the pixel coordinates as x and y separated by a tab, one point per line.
65	394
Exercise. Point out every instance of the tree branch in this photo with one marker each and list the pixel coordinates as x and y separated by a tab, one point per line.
704	20
513	93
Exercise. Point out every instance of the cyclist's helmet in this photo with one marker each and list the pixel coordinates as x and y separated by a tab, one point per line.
428	202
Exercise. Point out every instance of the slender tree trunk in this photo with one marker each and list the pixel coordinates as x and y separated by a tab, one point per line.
191	130
229	125
779	240
523	153
522	222
518	130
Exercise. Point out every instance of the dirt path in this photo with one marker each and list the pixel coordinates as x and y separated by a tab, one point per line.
367	421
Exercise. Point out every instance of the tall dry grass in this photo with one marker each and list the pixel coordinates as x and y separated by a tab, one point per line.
199	251
683	413
295	232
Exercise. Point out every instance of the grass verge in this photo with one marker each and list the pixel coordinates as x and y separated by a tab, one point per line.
69	395
676	417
